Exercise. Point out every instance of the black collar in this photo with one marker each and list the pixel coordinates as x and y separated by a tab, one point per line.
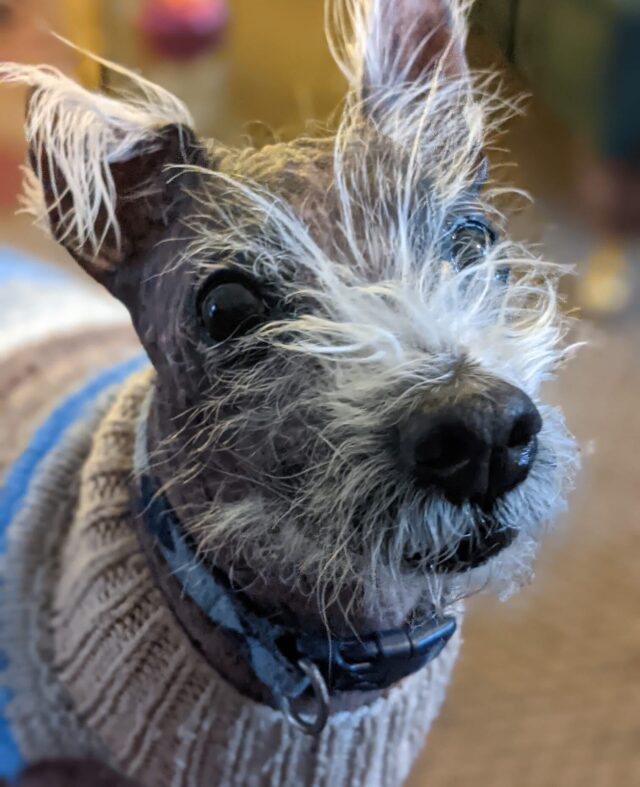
288	661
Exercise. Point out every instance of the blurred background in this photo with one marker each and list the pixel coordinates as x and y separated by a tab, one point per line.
547	691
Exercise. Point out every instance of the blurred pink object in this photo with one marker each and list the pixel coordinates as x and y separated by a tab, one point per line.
182	29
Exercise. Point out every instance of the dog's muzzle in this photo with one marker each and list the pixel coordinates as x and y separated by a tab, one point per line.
474	450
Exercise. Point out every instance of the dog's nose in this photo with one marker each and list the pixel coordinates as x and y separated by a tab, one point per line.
475	449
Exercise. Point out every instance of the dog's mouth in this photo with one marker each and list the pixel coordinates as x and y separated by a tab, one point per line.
486	540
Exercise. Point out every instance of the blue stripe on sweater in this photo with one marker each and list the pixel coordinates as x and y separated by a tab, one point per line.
14	491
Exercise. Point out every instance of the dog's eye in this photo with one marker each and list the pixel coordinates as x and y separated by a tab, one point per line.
471	239
230	308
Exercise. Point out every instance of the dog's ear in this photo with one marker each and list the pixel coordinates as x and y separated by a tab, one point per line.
102	172
388	46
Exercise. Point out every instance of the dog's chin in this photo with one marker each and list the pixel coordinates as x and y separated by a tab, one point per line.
471	551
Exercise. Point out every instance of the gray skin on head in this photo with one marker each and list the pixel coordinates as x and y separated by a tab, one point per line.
277	449
264	453
161	289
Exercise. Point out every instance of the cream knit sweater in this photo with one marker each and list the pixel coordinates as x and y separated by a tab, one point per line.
100	667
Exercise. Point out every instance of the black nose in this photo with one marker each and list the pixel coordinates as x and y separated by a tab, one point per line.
476	449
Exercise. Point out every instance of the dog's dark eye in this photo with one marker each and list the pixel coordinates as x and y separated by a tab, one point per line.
230	308
471	239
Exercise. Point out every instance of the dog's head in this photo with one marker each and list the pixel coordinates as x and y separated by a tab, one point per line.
348	347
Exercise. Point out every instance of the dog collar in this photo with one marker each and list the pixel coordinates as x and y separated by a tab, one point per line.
290	662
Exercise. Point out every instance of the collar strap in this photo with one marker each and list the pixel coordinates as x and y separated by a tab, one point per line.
212	593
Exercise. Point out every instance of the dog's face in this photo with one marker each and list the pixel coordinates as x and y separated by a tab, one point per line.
349	349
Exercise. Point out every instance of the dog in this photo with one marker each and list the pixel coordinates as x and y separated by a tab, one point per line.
241	558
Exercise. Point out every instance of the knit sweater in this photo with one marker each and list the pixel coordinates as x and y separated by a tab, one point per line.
98	665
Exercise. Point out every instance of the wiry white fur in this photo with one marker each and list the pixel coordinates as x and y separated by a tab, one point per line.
388	327
361	40
368	351
80	134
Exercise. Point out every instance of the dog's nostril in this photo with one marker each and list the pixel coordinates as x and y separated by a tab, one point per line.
444	449
525	428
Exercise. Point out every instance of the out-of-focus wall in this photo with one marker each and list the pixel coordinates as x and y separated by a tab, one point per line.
273	65
582	56
282	72
200	82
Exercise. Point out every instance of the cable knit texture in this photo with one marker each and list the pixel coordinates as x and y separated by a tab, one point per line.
100	667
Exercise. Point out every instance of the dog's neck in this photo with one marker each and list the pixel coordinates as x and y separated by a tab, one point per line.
385	607
381	605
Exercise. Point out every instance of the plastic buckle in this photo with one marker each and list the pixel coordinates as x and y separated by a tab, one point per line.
378	660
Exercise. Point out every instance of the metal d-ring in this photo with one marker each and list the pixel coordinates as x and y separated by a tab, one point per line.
310	726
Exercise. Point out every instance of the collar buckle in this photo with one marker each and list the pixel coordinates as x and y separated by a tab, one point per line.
379	660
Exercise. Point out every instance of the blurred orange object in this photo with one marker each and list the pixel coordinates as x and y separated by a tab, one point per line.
10	161
182	29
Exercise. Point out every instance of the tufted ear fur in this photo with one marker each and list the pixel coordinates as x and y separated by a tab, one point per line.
387	46
100	174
